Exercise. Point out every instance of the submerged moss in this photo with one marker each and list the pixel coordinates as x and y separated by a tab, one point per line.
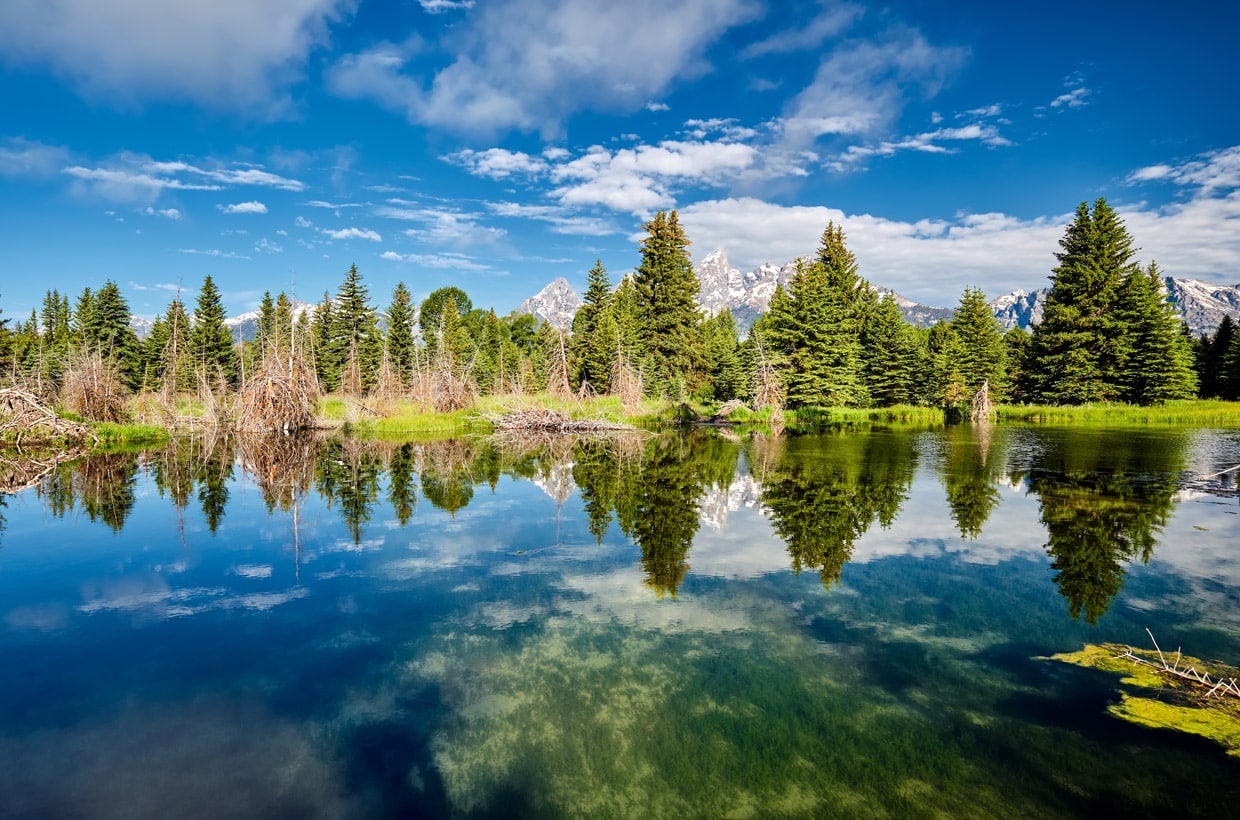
1177	703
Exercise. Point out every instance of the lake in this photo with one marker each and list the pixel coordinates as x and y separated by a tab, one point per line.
849	624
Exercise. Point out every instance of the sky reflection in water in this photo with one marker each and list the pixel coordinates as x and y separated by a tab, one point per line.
837	624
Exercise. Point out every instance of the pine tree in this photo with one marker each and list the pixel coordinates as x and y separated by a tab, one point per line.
591	353
210	340
1156	360
326	360
1213	349
981	345
266	330
723	360
667	290
356	341
1076	350
400	333
1015	357
890	356
109	332
431	310
1229	373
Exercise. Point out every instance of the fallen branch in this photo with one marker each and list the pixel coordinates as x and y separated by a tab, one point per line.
553	422
22	412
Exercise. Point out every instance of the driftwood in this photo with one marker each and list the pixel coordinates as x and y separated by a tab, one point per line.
551	422
22	413
1220	687
23	471
92	388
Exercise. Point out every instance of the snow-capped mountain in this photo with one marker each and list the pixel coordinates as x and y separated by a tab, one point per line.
1020	308
748	295
245	325
1202	304
557	303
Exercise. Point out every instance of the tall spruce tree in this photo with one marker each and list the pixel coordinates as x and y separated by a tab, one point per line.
592	352
210	340
1077	348
890	356
723	359
355	338
327	363
400	347
667	290
1211	352
108	331
981	345
1156	363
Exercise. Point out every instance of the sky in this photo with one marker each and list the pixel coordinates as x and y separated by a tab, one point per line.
494	145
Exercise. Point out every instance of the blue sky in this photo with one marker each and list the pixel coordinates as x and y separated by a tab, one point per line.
495	145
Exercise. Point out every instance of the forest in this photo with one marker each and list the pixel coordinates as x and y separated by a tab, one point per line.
1108	334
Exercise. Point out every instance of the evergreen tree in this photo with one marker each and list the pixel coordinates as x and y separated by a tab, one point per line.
210	340
266	331
1229	373
1015	357
326	359
166	350
1156	362
451	343
667	290
1213	349
81	320
723	359
108	332
592	352
1076	349
356	341
890	356
400	347
981	345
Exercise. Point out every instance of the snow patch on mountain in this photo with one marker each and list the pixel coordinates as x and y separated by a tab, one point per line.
557	303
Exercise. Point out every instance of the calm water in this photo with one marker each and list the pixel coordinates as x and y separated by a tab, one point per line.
839	625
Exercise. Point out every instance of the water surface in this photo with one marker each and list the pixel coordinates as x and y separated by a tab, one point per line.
849	624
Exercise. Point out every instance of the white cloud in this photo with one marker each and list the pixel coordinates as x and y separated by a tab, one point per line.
934	260
166	213
832	21
251	207
216	252
302	222
1076	95
22	157
657	107
928	143
562	220
265	245
335	206
168	286
441	226
528	64
1211	171
860	87
234	54
500	163
441	261
440	6
353	233
136	177
992	110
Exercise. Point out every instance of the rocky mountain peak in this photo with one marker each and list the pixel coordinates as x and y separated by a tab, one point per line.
557	303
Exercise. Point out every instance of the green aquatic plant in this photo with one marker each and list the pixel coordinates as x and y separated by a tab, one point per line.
1179	692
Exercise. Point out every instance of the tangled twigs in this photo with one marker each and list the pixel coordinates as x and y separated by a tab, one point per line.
22	412
552	422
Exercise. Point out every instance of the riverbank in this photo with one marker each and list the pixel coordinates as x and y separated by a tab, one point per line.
408	419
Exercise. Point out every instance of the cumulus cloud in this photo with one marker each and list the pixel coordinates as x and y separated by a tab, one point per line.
528	64
1211	171
234	54
251	207
166	213
353	233
216	252
500	163
265	245
561	219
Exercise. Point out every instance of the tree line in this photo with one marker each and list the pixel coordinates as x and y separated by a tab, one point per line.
1108	333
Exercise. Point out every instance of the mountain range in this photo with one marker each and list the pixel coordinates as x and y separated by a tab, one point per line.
1201	305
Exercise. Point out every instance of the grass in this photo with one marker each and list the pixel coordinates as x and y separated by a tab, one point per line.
1200	412
111	433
